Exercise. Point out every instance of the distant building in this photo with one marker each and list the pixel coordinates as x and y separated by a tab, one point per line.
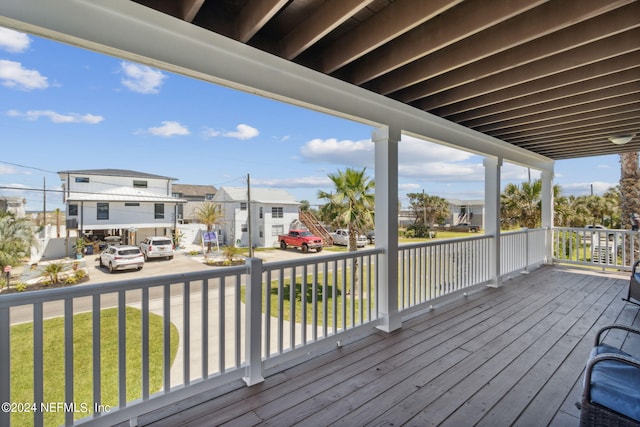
273	212
129	204
195	195
466	211
15	205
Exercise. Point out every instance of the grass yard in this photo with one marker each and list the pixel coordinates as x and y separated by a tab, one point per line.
22	361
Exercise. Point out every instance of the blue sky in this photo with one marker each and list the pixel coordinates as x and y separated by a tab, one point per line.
65	108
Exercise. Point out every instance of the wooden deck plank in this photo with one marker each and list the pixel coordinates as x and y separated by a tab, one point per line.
513	355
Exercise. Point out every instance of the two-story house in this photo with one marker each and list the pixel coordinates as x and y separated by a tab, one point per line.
117	202
273	212
13	204
195	195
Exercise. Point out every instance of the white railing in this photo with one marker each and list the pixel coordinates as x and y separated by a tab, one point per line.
231	323
434	269
306	301
602	248
522	250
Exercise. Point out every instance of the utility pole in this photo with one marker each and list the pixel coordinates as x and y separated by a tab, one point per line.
249	215
44	201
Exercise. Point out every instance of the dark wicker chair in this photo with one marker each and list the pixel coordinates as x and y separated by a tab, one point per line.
611	395
634	285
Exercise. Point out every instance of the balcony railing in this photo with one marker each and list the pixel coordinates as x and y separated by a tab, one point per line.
595	247
231	323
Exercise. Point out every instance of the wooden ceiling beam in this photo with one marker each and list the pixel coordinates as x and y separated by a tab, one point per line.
619	44
575	87
330	16
470	17
535	23
254	15
391	22
567	39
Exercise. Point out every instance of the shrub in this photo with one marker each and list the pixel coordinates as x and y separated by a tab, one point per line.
20	287
80	274
71	280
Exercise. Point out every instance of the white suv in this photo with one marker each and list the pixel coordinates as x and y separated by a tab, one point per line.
157	247
121	258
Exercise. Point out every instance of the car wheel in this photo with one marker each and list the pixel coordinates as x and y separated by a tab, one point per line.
305	248
169	257
283	245
100	262
139	268
111	269
319	249
146	257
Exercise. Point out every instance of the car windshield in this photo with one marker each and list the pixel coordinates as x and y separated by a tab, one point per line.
129	251
306	233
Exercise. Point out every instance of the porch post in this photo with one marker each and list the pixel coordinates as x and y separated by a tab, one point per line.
253	324
386	213
492	167
547	212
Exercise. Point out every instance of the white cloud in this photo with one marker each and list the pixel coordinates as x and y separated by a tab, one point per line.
210	133
168	129
14	75
584	188
57	117
141	79
243	132
344	152
13	41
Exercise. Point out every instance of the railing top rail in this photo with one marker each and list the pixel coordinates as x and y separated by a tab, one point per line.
319	259
77	291
444	241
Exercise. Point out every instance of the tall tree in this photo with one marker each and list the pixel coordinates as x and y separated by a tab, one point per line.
17	237
629	187
209	214
351	205
428	210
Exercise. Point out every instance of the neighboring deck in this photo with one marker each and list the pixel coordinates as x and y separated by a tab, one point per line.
512	355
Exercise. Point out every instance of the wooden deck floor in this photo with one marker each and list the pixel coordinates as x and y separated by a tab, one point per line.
507	356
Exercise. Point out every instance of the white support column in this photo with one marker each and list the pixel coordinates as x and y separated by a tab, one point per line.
253	324
386	157
547	212
492	191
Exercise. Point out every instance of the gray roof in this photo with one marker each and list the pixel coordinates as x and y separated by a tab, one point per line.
122	194
114	172
259	195
193	189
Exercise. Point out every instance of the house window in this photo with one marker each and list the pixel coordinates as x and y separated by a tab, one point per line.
103	210
73	210
139	184
277	212
261	212
178	195
243	206
243	228
208	197
132	204
277	230
158	210
82	179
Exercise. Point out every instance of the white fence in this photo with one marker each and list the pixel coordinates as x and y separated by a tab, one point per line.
602	248
231	323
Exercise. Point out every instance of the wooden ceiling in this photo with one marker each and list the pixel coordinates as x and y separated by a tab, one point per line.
555	77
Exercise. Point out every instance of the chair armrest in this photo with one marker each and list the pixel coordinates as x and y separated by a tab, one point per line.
628	360
633	269
616	326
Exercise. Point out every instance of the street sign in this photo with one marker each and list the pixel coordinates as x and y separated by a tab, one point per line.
7	269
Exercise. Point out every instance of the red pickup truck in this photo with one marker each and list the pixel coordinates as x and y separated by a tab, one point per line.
302	239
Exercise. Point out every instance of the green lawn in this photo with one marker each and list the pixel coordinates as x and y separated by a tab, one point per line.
22	361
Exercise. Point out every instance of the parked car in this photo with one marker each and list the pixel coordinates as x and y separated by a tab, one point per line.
302	239
341	237
463	226
371	237
122	258
157	247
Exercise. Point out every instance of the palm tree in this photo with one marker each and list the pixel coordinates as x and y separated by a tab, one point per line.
352	204
629	187
209	214
17	237
57	212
